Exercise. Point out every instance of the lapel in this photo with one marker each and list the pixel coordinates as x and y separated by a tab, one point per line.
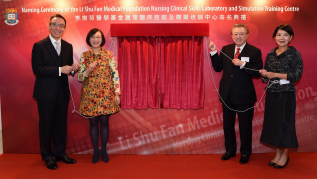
232	48
103	53
63	52
231	55
51	49
88	56
245	51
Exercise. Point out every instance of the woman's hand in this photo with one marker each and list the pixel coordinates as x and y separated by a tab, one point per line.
76	67
270	75
91	67
117	99
266	74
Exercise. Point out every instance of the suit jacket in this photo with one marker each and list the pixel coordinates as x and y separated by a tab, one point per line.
235	80
45	64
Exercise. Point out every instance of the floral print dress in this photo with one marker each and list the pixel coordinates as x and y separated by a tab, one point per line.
100	86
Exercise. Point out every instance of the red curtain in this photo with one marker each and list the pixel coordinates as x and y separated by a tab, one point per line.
161	71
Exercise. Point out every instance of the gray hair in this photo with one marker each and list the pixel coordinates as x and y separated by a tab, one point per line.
240	25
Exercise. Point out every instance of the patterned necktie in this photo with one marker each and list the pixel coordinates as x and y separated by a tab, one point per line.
58	48
237	53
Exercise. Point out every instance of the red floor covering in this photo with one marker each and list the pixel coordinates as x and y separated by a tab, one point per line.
301	165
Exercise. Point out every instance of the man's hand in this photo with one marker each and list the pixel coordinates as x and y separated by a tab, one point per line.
263	72
66	69
237	62
212	46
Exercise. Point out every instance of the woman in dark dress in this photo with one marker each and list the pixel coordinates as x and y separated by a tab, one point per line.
283	67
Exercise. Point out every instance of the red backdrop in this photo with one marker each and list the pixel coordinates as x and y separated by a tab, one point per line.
151	131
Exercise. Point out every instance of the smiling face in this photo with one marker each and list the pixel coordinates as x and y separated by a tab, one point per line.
239	36
95	40
282	38
57	27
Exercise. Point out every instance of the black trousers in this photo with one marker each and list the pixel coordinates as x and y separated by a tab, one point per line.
245	127
53	124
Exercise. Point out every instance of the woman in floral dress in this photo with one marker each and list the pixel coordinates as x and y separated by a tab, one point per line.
100	90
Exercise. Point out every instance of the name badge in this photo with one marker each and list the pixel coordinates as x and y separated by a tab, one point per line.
245	59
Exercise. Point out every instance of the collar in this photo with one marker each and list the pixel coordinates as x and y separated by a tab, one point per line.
241	48
53	40
90	52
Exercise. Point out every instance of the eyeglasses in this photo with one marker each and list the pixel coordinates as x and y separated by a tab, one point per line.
61	26
242	34
95	37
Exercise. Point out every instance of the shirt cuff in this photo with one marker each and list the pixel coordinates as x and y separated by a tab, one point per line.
59	71
242	65
213	53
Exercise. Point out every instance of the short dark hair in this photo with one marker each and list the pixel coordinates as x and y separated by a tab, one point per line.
287	28
57	15
93	32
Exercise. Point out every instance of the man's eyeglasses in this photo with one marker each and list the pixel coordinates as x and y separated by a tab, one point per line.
61	26
242	34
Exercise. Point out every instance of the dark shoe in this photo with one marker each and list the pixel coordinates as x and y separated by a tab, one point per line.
244	159
281	166
95	158
272	164
65	159
227	156
50	163
105	157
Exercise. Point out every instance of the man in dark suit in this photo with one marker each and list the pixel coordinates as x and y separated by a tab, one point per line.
236	90
52	62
